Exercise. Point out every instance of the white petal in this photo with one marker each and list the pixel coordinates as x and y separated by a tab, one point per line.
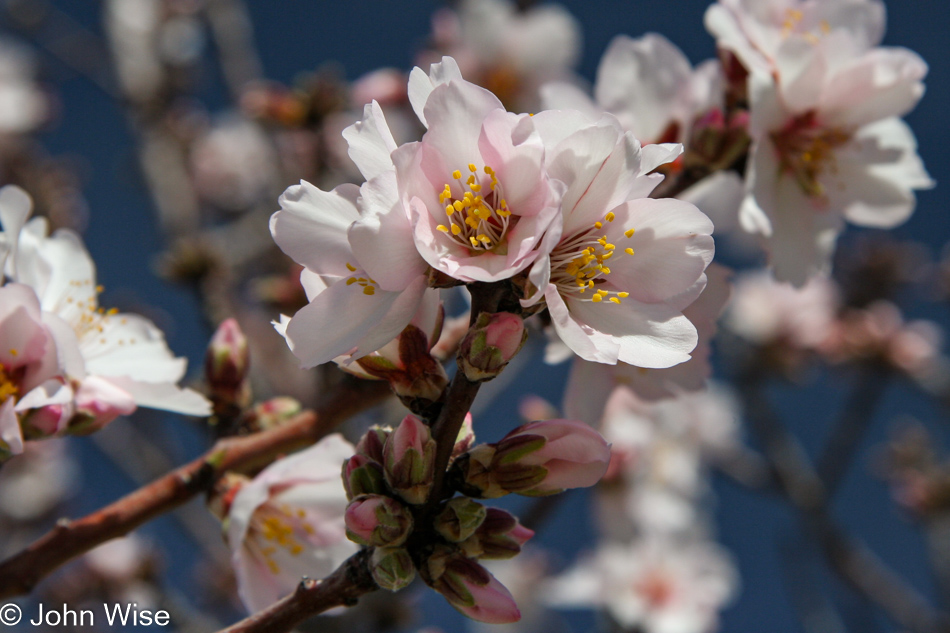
421	84
165	396
371	142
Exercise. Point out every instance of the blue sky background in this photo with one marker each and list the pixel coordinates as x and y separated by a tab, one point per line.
296	36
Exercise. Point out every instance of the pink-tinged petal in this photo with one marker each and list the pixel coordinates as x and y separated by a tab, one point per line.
371	142
165	396
382	239
556	125
878	173
885	82
11	438
671	246
584	340
642	81
67	346
311	226
656	154
804	236
421	84
15	207
23	337
802	69
510	145
103	400
647	334
455	112
722	24
58	268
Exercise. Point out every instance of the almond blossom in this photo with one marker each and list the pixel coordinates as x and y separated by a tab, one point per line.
288	522
362	275
110	363
477	193
828	144
624	266
654	585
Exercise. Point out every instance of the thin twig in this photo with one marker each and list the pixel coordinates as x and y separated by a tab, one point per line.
20	573
343	587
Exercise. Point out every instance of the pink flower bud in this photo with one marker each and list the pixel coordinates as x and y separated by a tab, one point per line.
466	437
469	588
372	443
409	459
272	413
46	421
226	363
377	521
492	341
573	454
363	476
500	536
459	519
392	568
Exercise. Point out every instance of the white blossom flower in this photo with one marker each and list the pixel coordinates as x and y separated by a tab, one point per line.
655	585
23	106
624	266
288	522
110	363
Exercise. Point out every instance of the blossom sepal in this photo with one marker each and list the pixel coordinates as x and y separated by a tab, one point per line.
460	518
490	344
392	568
377	521
363	476
500	536
409	460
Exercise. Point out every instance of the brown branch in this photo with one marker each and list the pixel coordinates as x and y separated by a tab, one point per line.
846	555
343	587
20	573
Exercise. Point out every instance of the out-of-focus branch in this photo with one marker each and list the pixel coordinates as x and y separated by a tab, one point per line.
850	428
856	565
20	573
234	37
343	587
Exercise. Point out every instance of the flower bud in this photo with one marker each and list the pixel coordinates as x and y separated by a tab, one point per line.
409	459
363	476
572	453
459	519
500	536
392	568
466	437
227	360
469	587
222	496
372	443
473	476
377	521
271	413
492	341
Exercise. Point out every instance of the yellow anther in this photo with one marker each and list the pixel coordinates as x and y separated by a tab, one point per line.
590	283
472	168
609	247
628	251
484	239
473	241
350	267
598	225
615	299
456	229
597	298
629	232
623	295
503	213
369	290
605	270
14	352
476	188
610	217
449	210
456	174
471	180
351	281
489	170
459	205
442	228
504	203
99	288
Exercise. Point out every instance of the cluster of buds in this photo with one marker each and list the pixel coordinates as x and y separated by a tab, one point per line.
389	484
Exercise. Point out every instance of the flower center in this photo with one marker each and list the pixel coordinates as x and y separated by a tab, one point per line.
807	151
8	388
368	284
656	589
479	220
278	527
792	21
579	264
